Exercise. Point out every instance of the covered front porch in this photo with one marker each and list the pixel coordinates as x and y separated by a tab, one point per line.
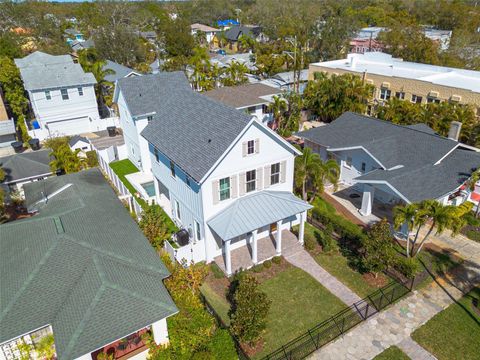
256	228
242	257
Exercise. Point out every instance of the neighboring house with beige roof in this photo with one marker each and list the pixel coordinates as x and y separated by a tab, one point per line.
209	31
254	99
415	82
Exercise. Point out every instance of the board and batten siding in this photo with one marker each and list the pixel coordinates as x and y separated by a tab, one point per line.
130	131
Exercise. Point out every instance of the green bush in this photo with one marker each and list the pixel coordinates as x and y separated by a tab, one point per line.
257	268
408	267
471	219
327	242
217	272
473	235
309	242
267	264
343	227
277	260
92	159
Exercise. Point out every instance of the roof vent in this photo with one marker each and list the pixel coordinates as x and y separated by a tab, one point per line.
59	225
209	141
454	132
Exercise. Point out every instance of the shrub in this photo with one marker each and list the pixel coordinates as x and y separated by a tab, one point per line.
378	248
257	268
473	235
277	260
343	227
408	267
309	242
156	225
327	242
217	272
249	310
267	264
92	159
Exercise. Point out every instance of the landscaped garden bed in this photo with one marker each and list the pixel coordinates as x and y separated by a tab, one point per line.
472	229
290	290
460	324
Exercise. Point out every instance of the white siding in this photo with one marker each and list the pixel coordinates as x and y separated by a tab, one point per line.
130	132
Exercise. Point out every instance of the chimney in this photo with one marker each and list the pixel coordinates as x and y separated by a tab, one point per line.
454	132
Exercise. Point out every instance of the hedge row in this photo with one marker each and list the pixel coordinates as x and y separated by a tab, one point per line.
342	227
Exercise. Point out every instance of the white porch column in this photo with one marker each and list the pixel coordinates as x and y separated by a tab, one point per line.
278	238
301	230
160	332
254	247
228	260
367	200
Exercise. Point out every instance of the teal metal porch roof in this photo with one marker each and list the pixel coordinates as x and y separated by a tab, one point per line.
254	211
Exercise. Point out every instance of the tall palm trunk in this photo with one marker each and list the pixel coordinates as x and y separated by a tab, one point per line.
425	238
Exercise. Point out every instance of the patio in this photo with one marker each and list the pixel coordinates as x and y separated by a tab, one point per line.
241	258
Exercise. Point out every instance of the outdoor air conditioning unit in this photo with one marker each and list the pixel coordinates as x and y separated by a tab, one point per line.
456	98
386	85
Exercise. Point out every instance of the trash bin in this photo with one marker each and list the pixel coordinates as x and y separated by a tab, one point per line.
17	146
112	130
34	144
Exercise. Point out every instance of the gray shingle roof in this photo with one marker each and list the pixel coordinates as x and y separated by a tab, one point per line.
40	71
120	71
236	31
414	149
189	128
81	265
76	138
26	165
243	95
254	211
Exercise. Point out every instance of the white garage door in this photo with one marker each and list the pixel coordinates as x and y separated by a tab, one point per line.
69	127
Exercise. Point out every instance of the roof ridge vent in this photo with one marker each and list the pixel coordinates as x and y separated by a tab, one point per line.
59	225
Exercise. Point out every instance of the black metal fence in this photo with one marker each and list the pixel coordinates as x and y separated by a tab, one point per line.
340	323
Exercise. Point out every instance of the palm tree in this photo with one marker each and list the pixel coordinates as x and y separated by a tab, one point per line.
474	179
278	108
406	215
309	168
235	74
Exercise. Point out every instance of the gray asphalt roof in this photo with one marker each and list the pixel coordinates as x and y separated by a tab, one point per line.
238	30
76	138
120	71
26	165
40	71
81	265
243	95
189	128
414	149
254	211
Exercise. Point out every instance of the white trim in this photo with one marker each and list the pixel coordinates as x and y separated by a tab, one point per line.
356	148
27	333
239	136
383	182
448	153
14	182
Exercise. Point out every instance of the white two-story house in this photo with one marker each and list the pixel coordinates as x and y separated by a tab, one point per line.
219	173
62	95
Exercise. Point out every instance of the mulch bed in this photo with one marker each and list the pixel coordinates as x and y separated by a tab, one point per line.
266	274
379	281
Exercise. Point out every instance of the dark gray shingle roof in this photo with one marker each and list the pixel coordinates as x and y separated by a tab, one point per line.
189	128
236	31
413	149
81	265
120	71
26	165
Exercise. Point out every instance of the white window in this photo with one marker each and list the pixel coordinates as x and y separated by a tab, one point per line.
400	95
251	147
48	96
348	162
177	209
251	179
224	189
385	94
155	152
80	91
197	230
274	174
64	94
416	99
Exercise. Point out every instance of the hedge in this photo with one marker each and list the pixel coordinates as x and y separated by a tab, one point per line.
344	228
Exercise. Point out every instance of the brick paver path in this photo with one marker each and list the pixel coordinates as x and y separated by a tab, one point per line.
394	325
415	351
300	258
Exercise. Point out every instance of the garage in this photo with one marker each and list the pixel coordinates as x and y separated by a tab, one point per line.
69	127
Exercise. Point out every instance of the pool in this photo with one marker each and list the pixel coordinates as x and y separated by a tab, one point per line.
149	188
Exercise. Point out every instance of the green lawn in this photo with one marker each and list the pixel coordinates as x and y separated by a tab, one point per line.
299	302
453	333
125	167
337	265
392	353
219	303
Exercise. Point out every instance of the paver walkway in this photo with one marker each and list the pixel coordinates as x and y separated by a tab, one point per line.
415	351
303	260
395	324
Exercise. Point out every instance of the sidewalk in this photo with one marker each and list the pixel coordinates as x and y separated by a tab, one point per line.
303	260
394	325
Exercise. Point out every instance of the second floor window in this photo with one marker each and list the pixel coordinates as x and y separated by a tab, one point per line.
64	94
400	95
274	174
385	94
48	96
172	168
80	91
416	99
251	147
251	177
155	152
431	100
224	188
